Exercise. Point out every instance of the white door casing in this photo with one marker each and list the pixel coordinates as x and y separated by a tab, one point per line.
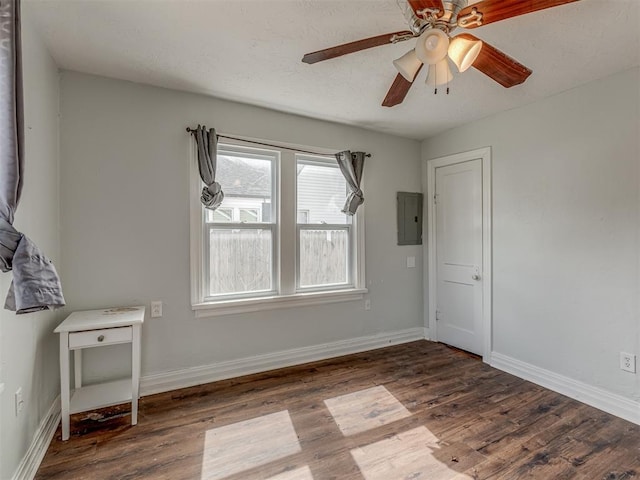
458	258
458	214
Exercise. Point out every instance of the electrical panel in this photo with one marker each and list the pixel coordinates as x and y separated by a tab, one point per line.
409	218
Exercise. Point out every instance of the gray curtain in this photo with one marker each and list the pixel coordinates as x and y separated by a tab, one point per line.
36	285
351	165
207	141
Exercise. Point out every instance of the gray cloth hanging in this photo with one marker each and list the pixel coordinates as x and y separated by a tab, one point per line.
207	141
36	285
351	166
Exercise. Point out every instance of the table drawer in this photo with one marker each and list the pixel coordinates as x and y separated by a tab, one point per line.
97	338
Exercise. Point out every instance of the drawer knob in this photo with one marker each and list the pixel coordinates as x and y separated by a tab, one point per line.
101	338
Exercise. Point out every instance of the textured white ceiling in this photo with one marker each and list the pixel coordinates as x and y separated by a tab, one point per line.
250	51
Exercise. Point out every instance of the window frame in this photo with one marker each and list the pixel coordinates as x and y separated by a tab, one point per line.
260	154
307	159
285	293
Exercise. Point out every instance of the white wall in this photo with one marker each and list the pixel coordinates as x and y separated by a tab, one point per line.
29	351
566	216
125	223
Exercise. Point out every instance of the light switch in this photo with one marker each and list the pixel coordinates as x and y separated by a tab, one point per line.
411	262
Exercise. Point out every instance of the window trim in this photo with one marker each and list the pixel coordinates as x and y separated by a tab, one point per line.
269	301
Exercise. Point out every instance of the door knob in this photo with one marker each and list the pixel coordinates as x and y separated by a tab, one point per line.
475	276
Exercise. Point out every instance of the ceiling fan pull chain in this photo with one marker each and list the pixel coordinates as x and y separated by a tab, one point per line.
435	77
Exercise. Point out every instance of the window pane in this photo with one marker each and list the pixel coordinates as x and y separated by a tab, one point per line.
322	191
239	261
247	185
323	257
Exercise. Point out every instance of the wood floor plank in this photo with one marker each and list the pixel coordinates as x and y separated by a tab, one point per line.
418	410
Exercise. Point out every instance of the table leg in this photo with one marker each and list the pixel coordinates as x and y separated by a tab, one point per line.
77	367
64	383
135	373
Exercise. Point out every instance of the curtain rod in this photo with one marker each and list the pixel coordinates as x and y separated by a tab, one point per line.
193	130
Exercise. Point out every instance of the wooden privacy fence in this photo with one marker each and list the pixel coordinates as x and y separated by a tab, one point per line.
323	257
240	260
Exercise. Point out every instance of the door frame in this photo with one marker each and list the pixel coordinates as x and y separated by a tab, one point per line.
429	267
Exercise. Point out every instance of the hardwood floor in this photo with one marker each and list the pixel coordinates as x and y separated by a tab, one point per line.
416	411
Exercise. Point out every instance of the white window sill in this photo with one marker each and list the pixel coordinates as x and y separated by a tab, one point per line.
245	305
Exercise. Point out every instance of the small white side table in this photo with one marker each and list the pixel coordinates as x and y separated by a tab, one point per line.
97	328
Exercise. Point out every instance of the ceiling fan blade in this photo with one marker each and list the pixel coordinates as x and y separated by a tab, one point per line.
398	90
496	10
356	46
498	65
418	5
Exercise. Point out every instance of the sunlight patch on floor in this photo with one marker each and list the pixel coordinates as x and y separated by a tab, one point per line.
406	455
303	473
244	445
366	409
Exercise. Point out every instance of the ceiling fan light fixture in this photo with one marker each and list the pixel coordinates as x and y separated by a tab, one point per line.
439	74
432	46
463	52
408	65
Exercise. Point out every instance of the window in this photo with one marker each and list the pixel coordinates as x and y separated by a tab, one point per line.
239	247
324	236
279	237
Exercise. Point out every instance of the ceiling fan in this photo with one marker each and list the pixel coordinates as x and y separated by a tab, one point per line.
431	22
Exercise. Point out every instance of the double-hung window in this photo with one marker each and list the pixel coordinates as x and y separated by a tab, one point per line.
324	234
240	237
279	237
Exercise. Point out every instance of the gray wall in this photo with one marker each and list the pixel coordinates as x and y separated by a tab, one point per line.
125	223
28	347
566	223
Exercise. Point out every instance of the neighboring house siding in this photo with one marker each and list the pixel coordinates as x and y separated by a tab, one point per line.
322	195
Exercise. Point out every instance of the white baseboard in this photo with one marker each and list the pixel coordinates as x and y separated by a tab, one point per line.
596	397
188	377
41	439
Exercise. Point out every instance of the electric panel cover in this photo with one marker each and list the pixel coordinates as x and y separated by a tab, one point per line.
409	218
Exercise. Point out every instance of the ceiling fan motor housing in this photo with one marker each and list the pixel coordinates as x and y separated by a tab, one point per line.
452	8
446	18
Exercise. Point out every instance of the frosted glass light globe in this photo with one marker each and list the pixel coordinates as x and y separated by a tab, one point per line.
439	74
432	46
464	52
408	65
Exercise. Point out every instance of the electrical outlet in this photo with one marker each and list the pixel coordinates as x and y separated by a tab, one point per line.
367	304
156	308
628	362
19	401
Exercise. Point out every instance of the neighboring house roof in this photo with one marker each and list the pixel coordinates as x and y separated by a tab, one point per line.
240	178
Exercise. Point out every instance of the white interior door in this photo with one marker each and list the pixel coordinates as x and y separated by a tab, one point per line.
458	205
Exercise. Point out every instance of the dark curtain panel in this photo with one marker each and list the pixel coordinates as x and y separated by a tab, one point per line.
207	141
351	166
36	285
